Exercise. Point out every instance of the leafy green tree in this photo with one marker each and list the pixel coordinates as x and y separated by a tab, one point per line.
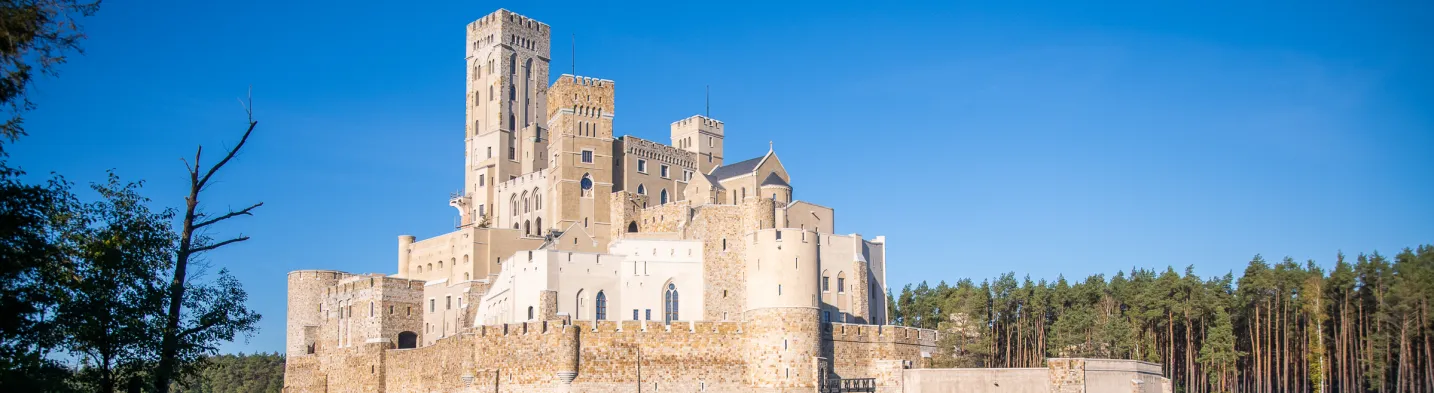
253	373
34	269
109	318
1218	352
38	35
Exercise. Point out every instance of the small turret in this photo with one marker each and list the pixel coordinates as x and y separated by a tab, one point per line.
701	135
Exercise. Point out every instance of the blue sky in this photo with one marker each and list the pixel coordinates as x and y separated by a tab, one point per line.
1045	139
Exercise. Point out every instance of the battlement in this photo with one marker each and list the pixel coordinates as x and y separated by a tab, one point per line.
358	282
582	96
509	19
699	123
531	179
578	80
609	328
659	152
853	332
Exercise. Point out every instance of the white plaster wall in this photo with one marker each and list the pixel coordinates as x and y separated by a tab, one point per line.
650	264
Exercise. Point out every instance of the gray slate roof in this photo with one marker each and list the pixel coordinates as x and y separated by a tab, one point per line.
774	180
738	169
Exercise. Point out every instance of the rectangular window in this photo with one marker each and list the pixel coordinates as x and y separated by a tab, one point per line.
642	165
490	151
587	156
825	281
647	314
826	316
634	314
370	310
841	284
482	179
448	302
687	175
431	304
710	143
665	175
512	153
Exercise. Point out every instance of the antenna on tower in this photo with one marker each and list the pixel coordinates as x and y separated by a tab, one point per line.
709	101
575	54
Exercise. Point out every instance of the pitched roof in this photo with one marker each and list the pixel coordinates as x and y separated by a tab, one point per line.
713	180
738	169
774	180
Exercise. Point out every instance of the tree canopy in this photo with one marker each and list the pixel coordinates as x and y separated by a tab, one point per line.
1282	327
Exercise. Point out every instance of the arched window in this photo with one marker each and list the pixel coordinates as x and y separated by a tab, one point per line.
527	88
641	190
669	304
527	228
632	227
578	306
538	226
663	196
527	207
513	205
826	281
440	264
841	282
600	304
530	313
537	200
407	340
465	278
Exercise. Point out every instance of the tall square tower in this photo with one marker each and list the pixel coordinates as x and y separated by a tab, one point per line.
701	135
580	111
506	131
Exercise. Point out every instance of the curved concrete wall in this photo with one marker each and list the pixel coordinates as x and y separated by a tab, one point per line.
782	269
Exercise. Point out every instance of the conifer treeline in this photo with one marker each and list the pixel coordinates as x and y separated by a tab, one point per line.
1281	327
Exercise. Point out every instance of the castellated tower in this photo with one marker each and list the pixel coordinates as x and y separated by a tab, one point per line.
506	132
306	308
580	111
701	135
782	318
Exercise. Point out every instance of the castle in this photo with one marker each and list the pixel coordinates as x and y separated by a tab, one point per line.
586	262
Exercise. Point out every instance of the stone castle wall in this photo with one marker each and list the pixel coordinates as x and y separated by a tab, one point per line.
612	356
855	350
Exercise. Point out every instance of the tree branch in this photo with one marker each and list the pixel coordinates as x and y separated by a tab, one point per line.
232	214
227	157
197	250
198	329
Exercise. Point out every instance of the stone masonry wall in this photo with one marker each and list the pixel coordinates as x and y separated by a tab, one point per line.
856	349
434	368
1067	375
719	227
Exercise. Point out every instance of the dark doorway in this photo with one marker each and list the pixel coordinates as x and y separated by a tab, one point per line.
407	340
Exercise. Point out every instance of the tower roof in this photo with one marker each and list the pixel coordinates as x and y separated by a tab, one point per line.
737	169
774	180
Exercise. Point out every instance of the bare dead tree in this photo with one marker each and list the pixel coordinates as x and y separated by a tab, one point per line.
190	245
